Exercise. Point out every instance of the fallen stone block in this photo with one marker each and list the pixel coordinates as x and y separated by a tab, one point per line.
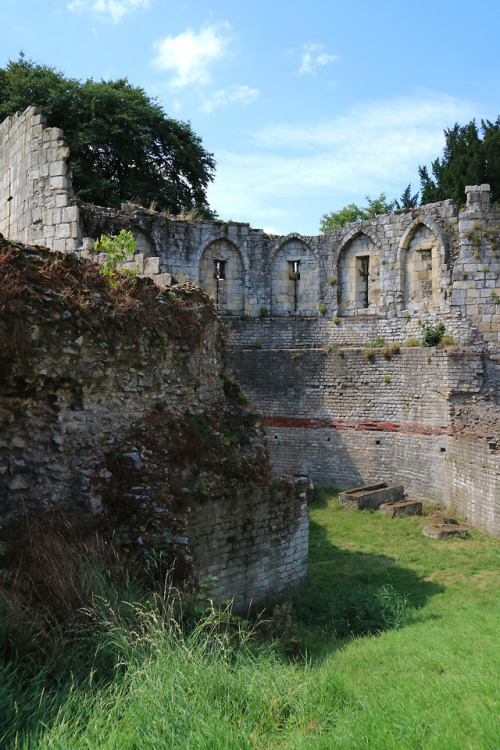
372	496
404	508
445	531
442	517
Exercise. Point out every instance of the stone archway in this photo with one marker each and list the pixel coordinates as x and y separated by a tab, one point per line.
221	275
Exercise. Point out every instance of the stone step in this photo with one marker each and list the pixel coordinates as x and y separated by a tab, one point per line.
404	508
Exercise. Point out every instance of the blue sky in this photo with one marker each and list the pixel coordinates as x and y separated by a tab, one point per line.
306	107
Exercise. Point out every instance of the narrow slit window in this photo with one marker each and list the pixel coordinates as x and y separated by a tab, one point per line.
219	269
363	263
294	269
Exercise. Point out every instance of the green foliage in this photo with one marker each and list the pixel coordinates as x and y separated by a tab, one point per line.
432	335
322	309
352	213
202	487
408	200
412	341
395	347
122	145
257	344
119	248
144	668
263	312
471	156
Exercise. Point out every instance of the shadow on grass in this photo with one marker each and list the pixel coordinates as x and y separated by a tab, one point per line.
351	593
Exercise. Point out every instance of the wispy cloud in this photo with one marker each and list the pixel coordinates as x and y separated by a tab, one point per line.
314	57
111	10
229	95
366	150
189	55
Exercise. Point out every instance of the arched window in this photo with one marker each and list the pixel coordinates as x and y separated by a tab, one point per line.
294	280
421	270
359	275
222	276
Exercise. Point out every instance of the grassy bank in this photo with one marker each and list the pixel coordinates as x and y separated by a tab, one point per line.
394	644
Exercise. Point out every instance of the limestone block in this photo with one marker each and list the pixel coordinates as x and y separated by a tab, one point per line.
152	266
404	508
445	531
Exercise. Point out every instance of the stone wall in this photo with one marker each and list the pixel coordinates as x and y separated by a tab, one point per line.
36	203
348	421
255	545
292	302
105	396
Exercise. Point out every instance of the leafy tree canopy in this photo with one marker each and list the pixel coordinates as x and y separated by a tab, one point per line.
123	146
351	212
471	156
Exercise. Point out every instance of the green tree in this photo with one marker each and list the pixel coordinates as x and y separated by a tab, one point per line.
463	163
123	146
408	200
352	213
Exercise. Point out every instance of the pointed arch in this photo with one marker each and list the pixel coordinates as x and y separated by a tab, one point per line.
294	277
222	274
420	255
358	272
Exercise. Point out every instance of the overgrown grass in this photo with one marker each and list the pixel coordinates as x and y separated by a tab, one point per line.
150	674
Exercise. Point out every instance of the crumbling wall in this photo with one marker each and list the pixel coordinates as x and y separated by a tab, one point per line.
292	302
36	199
114	402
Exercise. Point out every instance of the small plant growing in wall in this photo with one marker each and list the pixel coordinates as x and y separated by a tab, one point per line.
322	309
257	344
387	378
368	354
119	248
432	335
412	341
385	352
332	281
395	347
263	312
336	321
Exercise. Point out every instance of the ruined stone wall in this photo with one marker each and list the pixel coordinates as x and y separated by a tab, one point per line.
254	545
347	420
291	302
95	386
36	203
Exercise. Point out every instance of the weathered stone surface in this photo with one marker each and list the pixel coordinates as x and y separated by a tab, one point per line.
372	496
404	508
445	531
425	418
442	517
113	402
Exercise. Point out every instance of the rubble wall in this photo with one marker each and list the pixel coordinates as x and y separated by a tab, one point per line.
110	400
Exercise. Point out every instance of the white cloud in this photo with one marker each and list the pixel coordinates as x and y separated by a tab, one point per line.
369	149
189	55
229	95
314	57
113	10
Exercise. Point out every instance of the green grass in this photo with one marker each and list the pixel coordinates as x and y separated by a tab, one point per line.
427	677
